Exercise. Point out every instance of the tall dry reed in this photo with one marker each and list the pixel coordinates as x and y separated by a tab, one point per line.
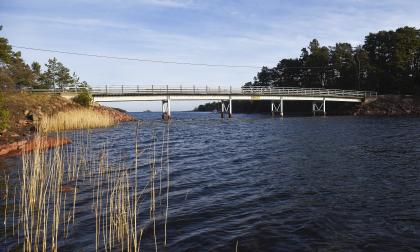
75	119
44	204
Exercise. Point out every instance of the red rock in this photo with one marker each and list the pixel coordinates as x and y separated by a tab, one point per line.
30	145
67	189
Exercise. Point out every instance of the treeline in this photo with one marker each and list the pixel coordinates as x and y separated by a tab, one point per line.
237	107
15	74
387	62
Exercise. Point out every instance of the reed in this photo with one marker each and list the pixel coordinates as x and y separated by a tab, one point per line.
45	199
75	119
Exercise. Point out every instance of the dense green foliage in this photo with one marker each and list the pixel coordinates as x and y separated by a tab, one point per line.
16	74
211	106
388	62
4	114
237	106
84	98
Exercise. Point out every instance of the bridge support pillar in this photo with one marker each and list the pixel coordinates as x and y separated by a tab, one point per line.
277	108
226	108
230	107
319	107
166	109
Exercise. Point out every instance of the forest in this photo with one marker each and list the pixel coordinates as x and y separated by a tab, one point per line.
388	62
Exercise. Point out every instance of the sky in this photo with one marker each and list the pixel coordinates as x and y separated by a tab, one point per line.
243	32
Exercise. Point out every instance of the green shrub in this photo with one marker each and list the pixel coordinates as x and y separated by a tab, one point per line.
4	114
4	118
84	99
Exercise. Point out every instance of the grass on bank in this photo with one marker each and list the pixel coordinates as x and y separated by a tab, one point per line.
82	118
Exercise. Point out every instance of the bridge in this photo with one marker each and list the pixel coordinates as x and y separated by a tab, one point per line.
277	95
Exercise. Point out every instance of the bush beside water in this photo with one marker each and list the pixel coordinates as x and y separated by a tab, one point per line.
84	99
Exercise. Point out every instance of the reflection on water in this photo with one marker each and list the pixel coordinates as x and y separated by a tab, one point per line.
314	183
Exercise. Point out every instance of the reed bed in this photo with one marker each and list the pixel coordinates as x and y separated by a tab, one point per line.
75	119
41	206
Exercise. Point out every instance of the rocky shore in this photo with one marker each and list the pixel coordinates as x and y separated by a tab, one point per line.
27	110
390	105
118	114
18	147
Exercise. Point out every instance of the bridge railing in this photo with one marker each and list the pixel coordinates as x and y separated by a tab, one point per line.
196	90
255	90
307	91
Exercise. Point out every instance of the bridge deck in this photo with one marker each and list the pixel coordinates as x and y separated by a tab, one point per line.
276	94
139	93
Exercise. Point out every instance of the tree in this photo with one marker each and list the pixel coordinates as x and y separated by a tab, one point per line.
317	65
344	67
38	76
388	62
14	73
57	76
6	53
393	57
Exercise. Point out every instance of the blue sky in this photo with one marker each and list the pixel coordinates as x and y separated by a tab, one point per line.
216	32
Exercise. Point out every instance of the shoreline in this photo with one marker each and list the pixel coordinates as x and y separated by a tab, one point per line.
27	112
383	105
28	145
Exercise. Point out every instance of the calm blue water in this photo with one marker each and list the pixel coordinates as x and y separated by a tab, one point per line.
281	184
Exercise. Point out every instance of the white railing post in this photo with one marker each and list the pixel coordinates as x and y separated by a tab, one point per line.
219	90
231	89
106	89
122	89
207	91
152	89
167	89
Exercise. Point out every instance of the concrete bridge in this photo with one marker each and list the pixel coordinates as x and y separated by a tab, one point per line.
277	95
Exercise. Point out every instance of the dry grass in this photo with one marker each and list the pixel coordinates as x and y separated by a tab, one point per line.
75	119
18	102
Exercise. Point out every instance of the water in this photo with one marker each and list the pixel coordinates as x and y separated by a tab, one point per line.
272	184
